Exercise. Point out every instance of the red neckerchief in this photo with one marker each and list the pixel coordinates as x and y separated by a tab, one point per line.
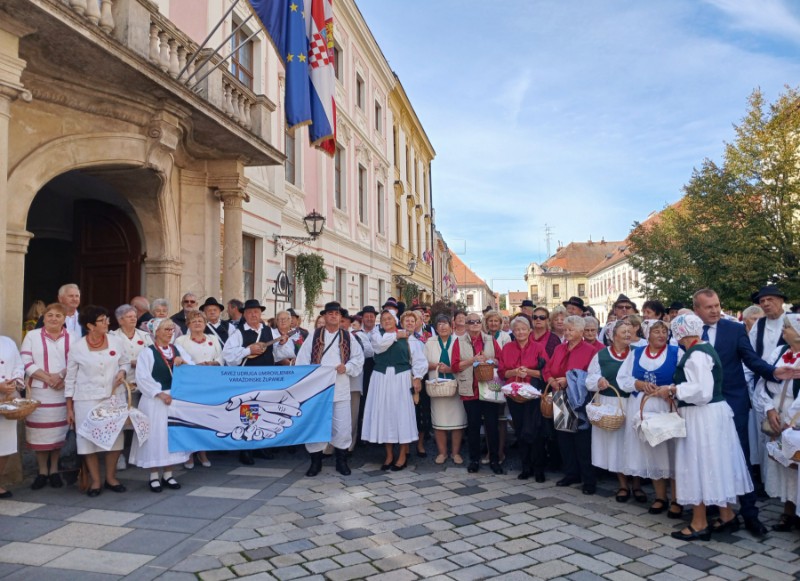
619	356
169	362
657	355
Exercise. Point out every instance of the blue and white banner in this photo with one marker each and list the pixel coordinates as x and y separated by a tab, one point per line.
242	408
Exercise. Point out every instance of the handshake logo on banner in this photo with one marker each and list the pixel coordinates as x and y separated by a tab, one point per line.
235	408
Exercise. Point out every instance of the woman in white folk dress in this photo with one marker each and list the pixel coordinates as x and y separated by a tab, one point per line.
709	463
642	372
154	380
204	349
133	340
608	446
775	402
96	368
11	375
44	352
389	412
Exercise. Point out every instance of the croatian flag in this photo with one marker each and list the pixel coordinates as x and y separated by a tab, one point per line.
302	32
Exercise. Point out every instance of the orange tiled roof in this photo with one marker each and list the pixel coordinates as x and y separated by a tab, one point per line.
580	257
464	275
517	296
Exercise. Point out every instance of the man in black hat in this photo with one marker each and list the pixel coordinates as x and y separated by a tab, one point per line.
215	326
296	321
574	306
621	308
332	346
767	333
251	345
527	307
674	308
392	306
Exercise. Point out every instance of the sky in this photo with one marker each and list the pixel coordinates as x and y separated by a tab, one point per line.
585	116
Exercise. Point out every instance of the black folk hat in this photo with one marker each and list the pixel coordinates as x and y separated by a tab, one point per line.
527	303
576	301
770	290
212	302
332	306
253	304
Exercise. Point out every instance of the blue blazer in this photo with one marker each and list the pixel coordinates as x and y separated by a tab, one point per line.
734	349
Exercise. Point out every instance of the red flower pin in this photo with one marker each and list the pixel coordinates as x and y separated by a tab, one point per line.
112	353
210	344
140	342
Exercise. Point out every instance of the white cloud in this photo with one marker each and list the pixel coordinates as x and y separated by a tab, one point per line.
773	17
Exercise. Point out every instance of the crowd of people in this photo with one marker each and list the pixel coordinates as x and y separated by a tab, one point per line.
736	385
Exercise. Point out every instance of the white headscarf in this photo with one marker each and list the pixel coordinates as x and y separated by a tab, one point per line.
687	326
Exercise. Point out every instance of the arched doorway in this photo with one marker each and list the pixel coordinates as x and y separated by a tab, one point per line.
84	231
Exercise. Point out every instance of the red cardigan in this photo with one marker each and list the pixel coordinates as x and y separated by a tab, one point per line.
563	359
512	357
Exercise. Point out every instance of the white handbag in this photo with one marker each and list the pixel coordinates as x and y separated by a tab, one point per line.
660	427
491	390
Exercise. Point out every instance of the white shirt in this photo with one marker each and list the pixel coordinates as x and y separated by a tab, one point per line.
48	355
72	324
11	366
209	349
90	374
595	372
419	363
234	353
366	341
773	329
333	358
698	389
133	345
144	370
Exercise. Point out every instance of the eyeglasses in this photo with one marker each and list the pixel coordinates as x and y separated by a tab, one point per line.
539	317
624	307
473	322
101	320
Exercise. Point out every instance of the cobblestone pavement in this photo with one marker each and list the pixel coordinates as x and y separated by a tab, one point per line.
435	522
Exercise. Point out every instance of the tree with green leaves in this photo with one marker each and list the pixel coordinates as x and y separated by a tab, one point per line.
737	228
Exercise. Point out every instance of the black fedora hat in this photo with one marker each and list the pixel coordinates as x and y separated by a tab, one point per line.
345	314
390	302
292	312
770	290
528	303
253	304
624	299
369	309
575	301
212	302
332	306
675	306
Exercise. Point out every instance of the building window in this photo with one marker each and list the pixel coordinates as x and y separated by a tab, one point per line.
242	59
408	166
381	209
470	300
291	160
363	289
381	291
359	92
249	266
556	291
535	292
410	247
378	117
337	62
581	290
396	145
338	178
363	206
291	274
398	217
339	286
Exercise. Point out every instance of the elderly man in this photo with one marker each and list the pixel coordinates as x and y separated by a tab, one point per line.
767	333
69	295
296	321
333	346
142	306
527	307
215	326
734	349
255	344
575	306
235	313
622	307
188	303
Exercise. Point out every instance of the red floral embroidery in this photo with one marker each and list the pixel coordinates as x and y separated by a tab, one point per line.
112	353
140	342
210	344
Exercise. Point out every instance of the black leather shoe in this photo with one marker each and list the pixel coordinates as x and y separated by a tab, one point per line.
93	492
589	489
55	480
473	467
496	467
399	467
341	462
171	483
693	535
316	464
39	482
6	494
539	477
386	467
731	526
755	527
568	480
524	475
119	487
246	458
786	523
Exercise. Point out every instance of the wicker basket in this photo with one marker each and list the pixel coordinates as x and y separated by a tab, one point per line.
484	372
609	423
437	388
23	406
546	403
129	391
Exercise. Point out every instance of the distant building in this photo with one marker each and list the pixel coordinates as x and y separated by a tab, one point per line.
472	289
612	276
565	274
514	300
444	277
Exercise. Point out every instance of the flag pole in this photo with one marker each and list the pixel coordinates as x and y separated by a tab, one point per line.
216	66
190	60
223	43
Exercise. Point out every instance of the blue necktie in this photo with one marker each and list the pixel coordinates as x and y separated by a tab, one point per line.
705	332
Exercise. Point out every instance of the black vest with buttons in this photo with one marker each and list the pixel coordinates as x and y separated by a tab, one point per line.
249	337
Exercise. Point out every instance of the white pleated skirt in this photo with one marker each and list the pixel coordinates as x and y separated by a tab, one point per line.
154	453
642	459
448	413
709	463
8	436
779	481
82	407
608	447
389	416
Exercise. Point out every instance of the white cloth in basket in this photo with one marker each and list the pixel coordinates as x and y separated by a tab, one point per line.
596	412
777	453
657	428
790	442
525	390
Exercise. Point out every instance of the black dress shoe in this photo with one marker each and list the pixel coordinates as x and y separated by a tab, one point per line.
675	514
171	483
496	468
39	482
539	477
422	454
589	489
55	480
524	475
246	458
731	526
386	467
6	494
155	486
755	527
399	467
93	492
473	467
568	480
119	487
786	523
693	535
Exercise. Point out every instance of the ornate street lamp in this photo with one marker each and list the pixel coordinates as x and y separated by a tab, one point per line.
314	223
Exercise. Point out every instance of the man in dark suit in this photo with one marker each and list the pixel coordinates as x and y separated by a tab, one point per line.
731	343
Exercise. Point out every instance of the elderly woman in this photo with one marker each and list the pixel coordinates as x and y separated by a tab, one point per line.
154	379
493	325
506	324
608	447
750	315
44	353
522	361
411	322
557	318
12	373
447	413
590	333
638	334
540	330
476	347
576	448
709	464
643	371
776	402
97	365
159	308
459	323
204	349
389	412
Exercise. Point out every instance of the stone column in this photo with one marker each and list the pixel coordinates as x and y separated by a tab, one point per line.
232	274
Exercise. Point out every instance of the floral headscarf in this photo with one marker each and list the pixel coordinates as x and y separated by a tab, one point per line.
648	324
687	326
794	321
153	325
